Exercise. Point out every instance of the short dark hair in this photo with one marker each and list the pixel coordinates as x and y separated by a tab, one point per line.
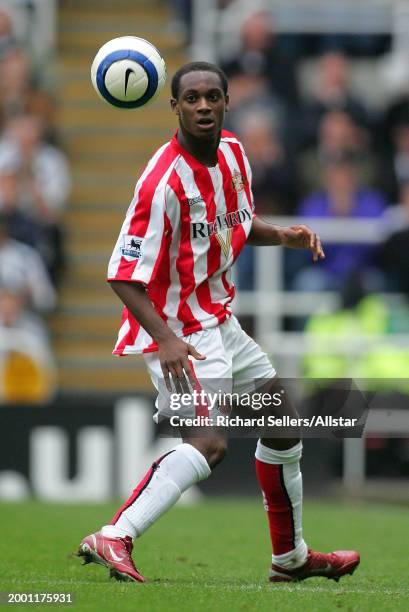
197	67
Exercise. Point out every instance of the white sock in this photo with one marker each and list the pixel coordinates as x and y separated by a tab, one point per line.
158	491
294	558
290	460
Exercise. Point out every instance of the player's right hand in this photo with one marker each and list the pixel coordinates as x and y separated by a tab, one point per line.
174	360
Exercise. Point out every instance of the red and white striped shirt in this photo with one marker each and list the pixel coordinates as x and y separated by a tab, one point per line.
184	228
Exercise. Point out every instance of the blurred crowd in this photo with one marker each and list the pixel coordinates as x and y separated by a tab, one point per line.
318	149
324	151
331	154
34	187
328	154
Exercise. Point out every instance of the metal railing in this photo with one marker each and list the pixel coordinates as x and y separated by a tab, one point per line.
270	302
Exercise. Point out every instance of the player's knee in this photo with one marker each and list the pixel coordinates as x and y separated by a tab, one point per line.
213	449
216	452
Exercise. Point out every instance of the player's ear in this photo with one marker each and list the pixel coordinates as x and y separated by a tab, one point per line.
174	106
227	100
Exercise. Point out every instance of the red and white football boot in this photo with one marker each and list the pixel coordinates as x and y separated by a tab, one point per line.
114	553
332	565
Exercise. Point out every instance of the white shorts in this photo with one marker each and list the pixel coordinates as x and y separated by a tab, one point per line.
234	363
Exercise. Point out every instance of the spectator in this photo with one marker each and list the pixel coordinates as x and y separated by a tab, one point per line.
395	260
14	315
260	55
396	114
41	185
27	365
396	217
273	170
7	39
181	23
273	179
21	228
250	95
394	167
332	93
338	134
341	197
19	93
8	172
23	272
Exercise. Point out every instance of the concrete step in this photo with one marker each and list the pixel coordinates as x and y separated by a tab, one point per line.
100	220
74	63
107	121
114	177
75	285
111	21
88	272
161	104
108	149
86	297
122	165
97	207
99	350
79	233
96	118
106	305
85	245
79	325
96	263
114	186
82	36
99	10
119	375
74	89
116	192
112	140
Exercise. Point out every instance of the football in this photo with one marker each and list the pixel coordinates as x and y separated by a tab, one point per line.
128	72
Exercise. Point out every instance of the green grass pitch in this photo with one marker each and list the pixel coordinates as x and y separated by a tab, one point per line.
210	557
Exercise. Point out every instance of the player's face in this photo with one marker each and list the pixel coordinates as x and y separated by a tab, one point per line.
201	104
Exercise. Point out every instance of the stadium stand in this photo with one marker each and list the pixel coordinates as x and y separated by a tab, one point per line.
107	149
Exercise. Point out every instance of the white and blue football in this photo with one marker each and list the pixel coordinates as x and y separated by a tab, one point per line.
128	72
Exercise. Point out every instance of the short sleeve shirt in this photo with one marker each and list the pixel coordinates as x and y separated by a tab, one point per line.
184	228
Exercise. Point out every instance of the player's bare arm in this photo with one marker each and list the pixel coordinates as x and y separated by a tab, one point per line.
173	351
294	237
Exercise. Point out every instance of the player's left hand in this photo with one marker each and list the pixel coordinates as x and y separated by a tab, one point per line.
302	237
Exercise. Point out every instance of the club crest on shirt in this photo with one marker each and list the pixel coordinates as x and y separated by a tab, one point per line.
132	246
238	181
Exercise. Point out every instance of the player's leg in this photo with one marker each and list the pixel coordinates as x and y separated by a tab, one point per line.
280	479
279	475
161	487
211	443
166	479
278	472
